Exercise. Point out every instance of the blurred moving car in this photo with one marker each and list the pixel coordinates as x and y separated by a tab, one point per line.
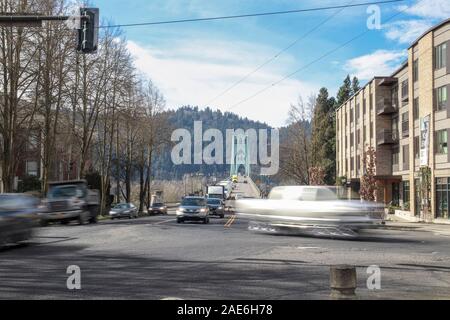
18	217
71	200
319	211
124	210
193	209
216	208
157	208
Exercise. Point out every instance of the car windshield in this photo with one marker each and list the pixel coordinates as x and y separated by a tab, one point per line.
158	205
121	206
214	201
65	192
193	202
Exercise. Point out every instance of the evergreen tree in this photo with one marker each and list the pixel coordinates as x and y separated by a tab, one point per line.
355	85
345	91
323	144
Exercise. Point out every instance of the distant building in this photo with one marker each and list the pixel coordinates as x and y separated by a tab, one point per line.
405	117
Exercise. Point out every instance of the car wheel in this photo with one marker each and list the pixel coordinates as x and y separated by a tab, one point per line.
43	223
222	216
82	219
180	221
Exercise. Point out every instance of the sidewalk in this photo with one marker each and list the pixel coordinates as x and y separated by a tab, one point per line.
397	223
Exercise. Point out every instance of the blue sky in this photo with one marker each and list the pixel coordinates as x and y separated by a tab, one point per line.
194	62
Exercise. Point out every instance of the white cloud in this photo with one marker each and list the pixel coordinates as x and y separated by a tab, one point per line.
407	31
424	15
434	9
194	72
379	63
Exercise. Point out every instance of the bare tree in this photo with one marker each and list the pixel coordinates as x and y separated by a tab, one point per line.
296	150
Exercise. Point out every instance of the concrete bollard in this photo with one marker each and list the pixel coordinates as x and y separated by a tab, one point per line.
343	282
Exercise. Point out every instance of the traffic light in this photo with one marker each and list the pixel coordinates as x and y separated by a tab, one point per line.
88	33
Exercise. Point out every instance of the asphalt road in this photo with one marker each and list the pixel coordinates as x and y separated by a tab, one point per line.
156	258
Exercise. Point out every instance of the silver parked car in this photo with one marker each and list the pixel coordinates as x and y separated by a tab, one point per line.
124	210
193	209
314	210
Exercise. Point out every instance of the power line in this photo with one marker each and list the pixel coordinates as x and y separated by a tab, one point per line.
247	15
313	62
275	56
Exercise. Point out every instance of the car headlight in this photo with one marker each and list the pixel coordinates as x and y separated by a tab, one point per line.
162	208
220	208
203	210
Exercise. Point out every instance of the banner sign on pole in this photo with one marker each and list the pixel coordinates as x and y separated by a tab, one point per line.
425	141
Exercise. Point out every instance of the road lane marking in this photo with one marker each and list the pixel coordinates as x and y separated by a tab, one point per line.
162	222
230	221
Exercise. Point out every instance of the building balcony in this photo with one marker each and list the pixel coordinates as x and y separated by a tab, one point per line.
386	106
387	137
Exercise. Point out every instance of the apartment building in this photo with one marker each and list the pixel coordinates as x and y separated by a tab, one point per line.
405	117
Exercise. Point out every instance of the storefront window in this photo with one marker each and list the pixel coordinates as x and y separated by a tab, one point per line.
396	194
442	197
406	195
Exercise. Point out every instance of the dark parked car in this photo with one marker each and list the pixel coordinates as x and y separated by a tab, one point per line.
216	207
18	217
157	208
193	209
124	210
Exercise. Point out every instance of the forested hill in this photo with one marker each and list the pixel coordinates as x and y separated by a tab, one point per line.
184	118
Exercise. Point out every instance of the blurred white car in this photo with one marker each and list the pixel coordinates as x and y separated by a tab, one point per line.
320	209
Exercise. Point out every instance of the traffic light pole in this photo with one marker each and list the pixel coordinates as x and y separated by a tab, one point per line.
87	25
28	21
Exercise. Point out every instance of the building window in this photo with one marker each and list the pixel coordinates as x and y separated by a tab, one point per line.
441	56
442	142
396	194
358	164
351	115
405	124
441	98
395	158
358	137
364	134
32	142
442	196
417	147
416	70
32	168
416	109
405	91
364	107
352	164
406	195
357	112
